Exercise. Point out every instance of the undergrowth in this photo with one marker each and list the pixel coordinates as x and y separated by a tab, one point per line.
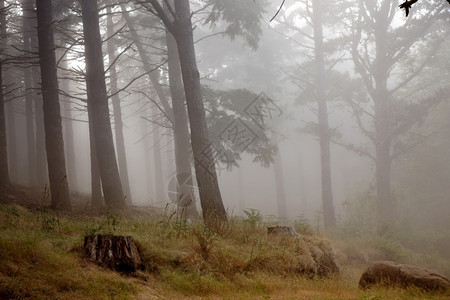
182	259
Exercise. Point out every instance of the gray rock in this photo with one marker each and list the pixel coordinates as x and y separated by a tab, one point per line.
389	273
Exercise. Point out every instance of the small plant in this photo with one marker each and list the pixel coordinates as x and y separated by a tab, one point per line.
107	225
302	226
253	217
12	214
48	221
206	239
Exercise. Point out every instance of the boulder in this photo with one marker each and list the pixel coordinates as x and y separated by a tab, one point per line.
389	273
116	252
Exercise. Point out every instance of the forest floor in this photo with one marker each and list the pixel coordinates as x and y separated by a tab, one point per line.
41	257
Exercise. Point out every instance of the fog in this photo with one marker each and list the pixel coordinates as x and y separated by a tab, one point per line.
280	61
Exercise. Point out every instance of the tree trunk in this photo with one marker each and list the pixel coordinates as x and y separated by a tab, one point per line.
385	204
27	26
96	183
52	116
383	128
4	170
324	138
11	140
68	130
98	104
148	169
180	128
157	161
279	186
152	74
118	124
241	190
205	171
41	159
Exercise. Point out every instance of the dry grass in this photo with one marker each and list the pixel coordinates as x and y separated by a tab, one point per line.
181	262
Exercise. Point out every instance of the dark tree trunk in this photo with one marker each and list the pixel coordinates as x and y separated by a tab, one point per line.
118	124
11	141
324	138
205	171
96	182
98	104
180	128
68	131
41	158
4	169
27	27
52	116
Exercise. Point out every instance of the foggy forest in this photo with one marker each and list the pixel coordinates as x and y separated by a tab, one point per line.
289	149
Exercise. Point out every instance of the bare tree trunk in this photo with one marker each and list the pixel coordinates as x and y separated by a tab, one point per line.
148	169
180	128
41	158
324	138
11	141
157	161
118	124
52	116
383	128
98	104
96	183
68	131
4	169
241	190
27	26
152	74
385	203
205	171
279	186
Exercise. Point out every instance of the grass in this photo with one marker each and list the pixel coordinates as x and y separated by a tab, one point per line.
41	258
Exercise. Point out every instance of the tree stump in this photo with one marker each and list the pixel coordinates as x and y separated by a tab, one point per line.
116	252
389	273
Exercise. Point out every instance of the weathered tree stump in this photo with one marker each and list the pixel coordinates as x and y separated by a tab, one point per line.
282	231
116	252
389	273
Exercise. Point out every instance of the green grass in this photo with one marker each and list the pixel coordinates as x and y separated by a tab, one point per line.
41	257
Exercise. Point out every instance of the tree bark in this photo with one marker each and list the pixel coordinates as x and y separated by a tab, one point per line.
211	200
4	169
324	138
68	131
11	140
96	182
28	17
52	116
98	104
180	128
118	123
41	159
